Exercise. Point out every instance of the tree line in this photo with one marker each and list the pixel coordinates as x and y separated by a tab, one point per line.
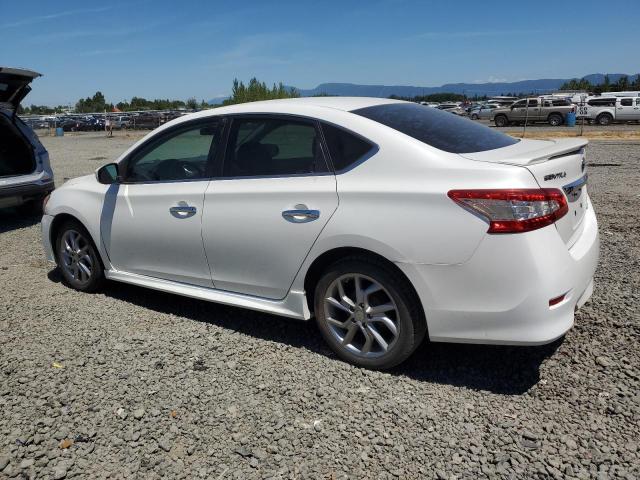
255	90
623	84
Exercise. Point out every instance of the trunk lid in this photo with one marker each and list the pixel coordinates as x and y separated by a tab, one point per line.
14	85
557	164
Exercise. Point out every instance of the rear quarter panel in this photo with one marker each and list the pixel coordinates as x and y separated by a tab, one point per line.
396	205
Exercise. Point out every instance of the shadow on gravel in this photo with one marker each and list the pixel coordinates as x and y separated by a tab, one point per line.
498	369
12	219
506	370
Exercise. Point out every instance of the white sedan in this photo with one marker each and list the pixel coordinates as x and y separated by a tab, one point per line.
385	220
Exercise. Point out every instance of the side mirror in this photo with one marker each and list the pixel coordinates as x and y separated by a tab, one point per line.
108	174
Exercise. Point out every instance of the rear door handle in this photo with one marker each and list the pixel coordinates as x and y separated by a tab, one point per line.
301	216
183	211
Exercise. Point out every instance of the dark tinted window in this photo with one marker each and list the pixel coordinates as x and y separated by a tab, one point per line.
345	148
602	102
439	129
626	102
269	146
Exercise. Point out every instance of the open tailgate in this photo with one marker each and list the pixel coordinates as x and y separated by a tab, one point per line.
14	85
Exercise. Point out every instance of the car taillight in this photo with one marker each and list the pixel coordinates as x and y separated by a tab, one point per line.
514	210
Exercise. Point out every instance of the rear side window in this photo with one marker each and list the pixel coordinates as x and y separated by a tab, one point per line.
273	147
345	148
442	130
626	102
602	102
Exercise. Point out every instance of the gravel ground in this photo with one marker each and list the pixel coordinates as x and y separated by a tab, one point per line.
134	383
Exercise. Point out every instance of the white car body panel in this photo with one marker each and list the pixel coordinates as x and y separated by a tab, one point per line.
250	246
134	214
474	287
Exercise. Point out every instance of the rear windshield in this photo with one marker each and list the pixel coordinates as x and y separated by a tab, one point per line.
443	130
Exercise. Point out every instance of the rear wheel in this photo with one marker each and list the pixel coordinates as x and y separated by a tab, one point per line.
474	116
554	120
77	257
501	121
604	119
368	314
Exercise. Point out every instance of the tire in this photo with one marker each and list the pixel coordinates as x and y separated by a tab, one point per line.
501	121
604	119
77	257
554	120
399	323
474	117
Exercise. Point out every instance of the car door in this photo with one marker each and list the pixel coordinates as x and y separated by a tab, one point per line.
625	109
535	110
273	194
151	222
518	111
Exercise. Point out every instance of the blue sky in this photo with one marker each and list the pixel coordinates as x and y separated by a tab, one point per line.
178	49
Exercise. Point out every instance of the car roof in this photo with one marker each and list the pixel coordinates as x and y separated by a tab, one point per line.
346	104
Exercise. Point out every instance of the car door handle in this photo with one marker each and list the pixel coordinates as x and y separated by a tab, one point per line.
183	211
301	215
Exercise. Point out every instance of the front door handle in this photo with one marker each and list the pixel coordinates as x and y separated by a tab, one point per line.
183	211
301	215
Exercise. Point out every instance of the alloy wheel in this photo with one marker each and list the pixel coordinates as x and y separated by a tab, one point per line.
76	256
361	315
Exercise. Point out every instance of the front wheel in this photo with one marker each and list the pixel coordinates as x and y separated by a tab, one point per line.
474	116
368	314
77	258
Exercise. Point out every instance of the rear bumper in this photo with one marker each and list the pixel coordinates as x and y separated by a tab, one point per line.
26	191
501	295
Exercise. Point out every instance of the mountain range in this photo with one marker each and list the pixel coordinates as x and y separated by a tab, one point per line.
544	85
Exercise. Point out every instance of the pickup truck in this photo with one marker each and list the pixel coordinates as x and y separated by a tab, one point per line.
549	110
606	110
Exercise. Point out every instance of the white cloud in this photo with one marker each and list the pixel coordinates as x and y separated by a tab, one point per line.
53	16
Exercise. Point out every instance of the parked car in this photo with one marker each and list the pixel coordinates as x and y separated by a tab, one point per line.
549	110
605	110
482	111
74	125
448	105
25	173
385	220
120	122
147	121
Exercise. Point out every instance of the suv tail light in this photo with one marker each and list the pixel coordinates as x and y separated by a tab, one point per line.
514	210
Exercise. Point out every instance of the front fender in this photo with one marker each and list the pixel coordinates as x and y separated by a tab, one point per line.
82	200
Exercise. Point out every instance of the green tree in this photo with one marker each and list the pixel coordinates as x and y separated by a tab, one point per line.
256	91
192	103
623	83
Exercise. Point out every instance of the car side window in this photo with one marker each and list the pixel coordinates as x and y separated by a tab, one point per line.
180	155
626	102
519	104
273	147
345	149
